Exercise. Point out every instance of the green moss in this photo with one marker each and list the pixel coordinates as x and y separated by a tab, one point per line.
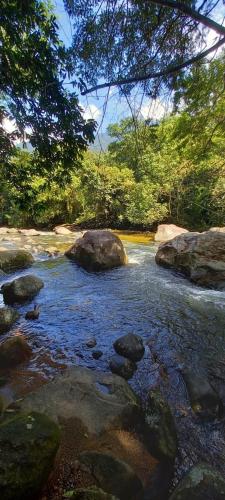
11	260
91	493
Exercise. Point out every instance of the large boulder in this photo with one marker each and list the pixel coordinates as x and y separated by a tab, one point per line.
28	446
131	346
21	289
62	230
98	251
200	257
29	232
218	229
122	366
99	400
14	351
13	260
166	232
160	427
201	483
113	475
8	316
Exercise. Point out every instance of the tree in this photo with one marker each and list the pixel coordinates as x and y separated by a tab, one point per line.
34	64
141	41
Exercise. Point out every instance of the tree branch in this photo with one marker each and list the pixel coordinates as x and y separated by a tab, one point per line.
167	71
194	14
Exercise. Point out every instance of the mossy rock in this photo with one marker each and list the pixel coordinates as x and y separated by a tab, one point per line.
201	483
13	260
21	289
160	428
8	316
28	446
91	493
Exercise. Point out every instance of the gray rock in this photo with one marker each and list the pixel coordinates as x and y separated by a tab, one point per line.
8	316
160	431
21	289
122	366
14	351
113	475
99	400
166	232
201	483
98	251
200	257
13	260
205	401
28	446
130	346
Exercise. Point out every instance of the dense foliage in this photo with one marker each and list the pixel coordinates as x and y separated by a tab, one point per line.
173	170
34	64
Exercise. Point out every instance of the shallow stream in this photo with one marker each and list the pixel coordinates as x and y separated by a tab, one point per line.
180	323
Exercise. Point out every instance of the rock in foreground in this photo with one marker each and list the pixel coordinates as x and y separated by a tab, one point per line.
28	446
131	346
166	232
201	483
22	289
13	260
8	316
200	257
113	475
100	401
98	251
14	351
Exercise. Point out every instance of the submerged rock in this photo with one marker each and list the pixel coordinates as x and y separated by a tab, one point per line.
166	232
8	316
200	257
100	401
160	427
204	399
201	483
91	342
98	251
91	493
131	346
21	289
14	351
122	366
28	446
13	260
97	354
113	475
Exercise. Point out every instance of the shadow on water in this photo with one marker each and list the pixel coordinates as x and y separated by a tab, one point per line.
180	323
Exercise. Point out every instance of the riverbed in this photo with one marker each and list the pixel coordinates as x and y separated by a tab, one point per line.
181	325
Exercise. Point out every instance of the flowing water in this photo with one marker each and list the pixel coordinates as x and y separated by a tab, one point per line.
181	325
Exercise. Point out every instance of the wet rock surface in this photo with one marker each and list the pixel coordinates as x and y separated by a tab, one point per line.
205	401
201	483
113	475
14	351
122	366
8	316
91	493
98	251
131	346
200	257
21	289
28	446
13	260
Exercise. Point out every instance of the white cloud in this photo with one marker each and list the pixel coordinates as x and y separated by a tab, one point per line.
91	111
155	109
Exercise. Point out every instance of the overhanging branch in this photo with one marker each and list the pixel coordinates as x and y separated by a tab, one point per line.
166	72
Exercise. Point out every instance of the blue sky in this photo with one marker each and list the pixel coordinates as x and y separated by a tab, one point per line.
117	107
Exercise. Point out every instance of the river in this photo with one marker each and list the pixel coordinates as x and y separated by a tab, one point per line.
180	323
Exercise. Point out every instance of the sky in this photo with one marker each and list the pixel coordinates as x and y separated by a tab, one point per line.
117	107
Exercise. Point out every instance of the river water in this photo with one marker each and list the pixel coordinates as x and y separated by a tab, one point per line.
181	325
